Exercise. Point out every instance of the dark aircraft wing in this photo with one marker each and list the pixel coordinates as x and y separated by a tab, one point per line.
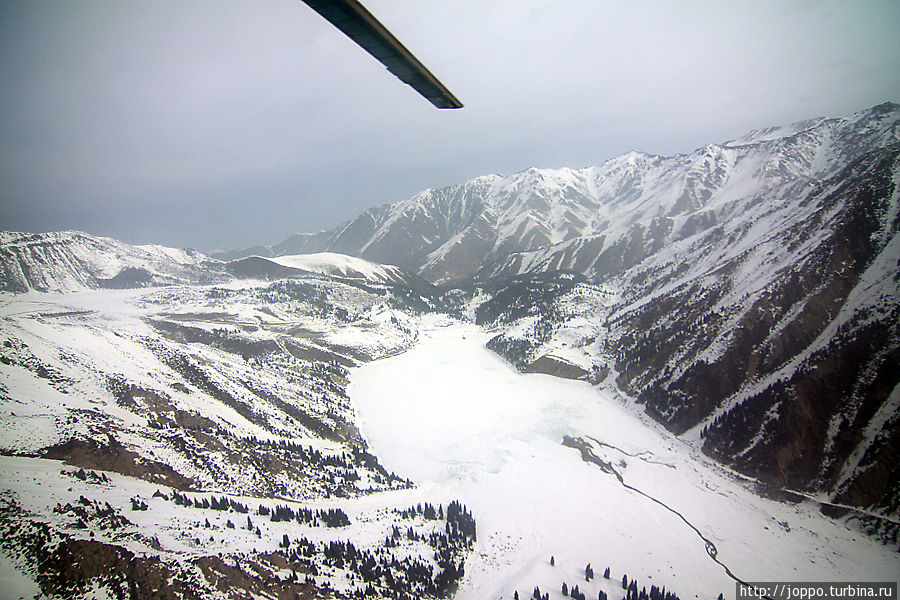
354	20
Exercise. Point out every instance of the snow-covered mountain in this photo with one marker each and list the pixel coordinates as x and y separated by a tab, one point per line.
213	432
72	260
747	291
601	220
349	267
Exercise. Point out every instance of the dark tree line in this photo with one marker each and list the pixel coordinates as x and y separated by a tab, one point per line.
459	529
332	517
407	578
630	586
213	503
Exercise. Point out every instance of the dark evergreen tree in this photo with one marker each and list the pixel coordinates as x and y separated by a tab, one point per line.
606	573
565	589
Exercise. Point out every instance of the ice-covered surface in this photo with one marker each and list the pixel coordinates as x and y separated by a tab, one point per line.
462	423
15	583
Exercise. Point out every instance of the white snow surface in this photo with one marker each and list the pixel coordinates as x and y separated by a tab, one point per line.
463	424
340	265
73	261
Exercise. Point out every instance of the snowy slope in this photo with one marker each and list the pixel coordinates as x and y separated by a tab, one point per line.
603	219
347	267
773	339
149	437
71	260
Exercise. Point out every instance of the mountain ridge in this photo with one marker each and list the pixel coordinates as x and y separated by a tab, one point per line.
470	230
67	261
745	294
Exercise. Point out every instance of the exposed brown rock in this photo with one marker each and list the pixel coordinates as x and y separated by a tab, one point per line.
112	456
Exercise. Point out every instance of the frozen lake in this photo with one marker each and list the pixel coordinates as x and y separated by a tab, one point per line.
463	424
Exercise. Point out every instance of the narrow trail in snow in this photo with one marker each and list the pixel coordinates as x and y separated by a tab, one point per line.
587	455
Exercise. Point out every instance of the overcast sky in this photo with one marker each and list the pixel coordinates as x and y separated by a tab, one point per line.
227	123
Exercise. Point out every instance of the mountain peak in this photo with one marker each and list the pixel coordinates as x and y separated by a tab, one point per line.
464	230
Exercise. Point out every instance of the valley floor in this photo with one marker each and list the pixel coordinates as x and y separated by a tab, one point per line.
463	424
441	409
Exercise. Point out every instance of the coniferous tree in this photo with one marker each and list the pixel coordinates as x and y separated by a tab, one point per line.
552	561
565	589
606	573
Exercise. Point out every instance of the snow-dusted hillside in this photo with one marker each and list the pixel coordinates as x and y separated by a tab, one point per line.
173	439
184	425
749	288
71	260
602	220
347	267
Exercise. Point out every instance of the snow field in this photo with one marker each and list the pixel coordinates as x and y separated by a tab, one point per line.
340	265
463	424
